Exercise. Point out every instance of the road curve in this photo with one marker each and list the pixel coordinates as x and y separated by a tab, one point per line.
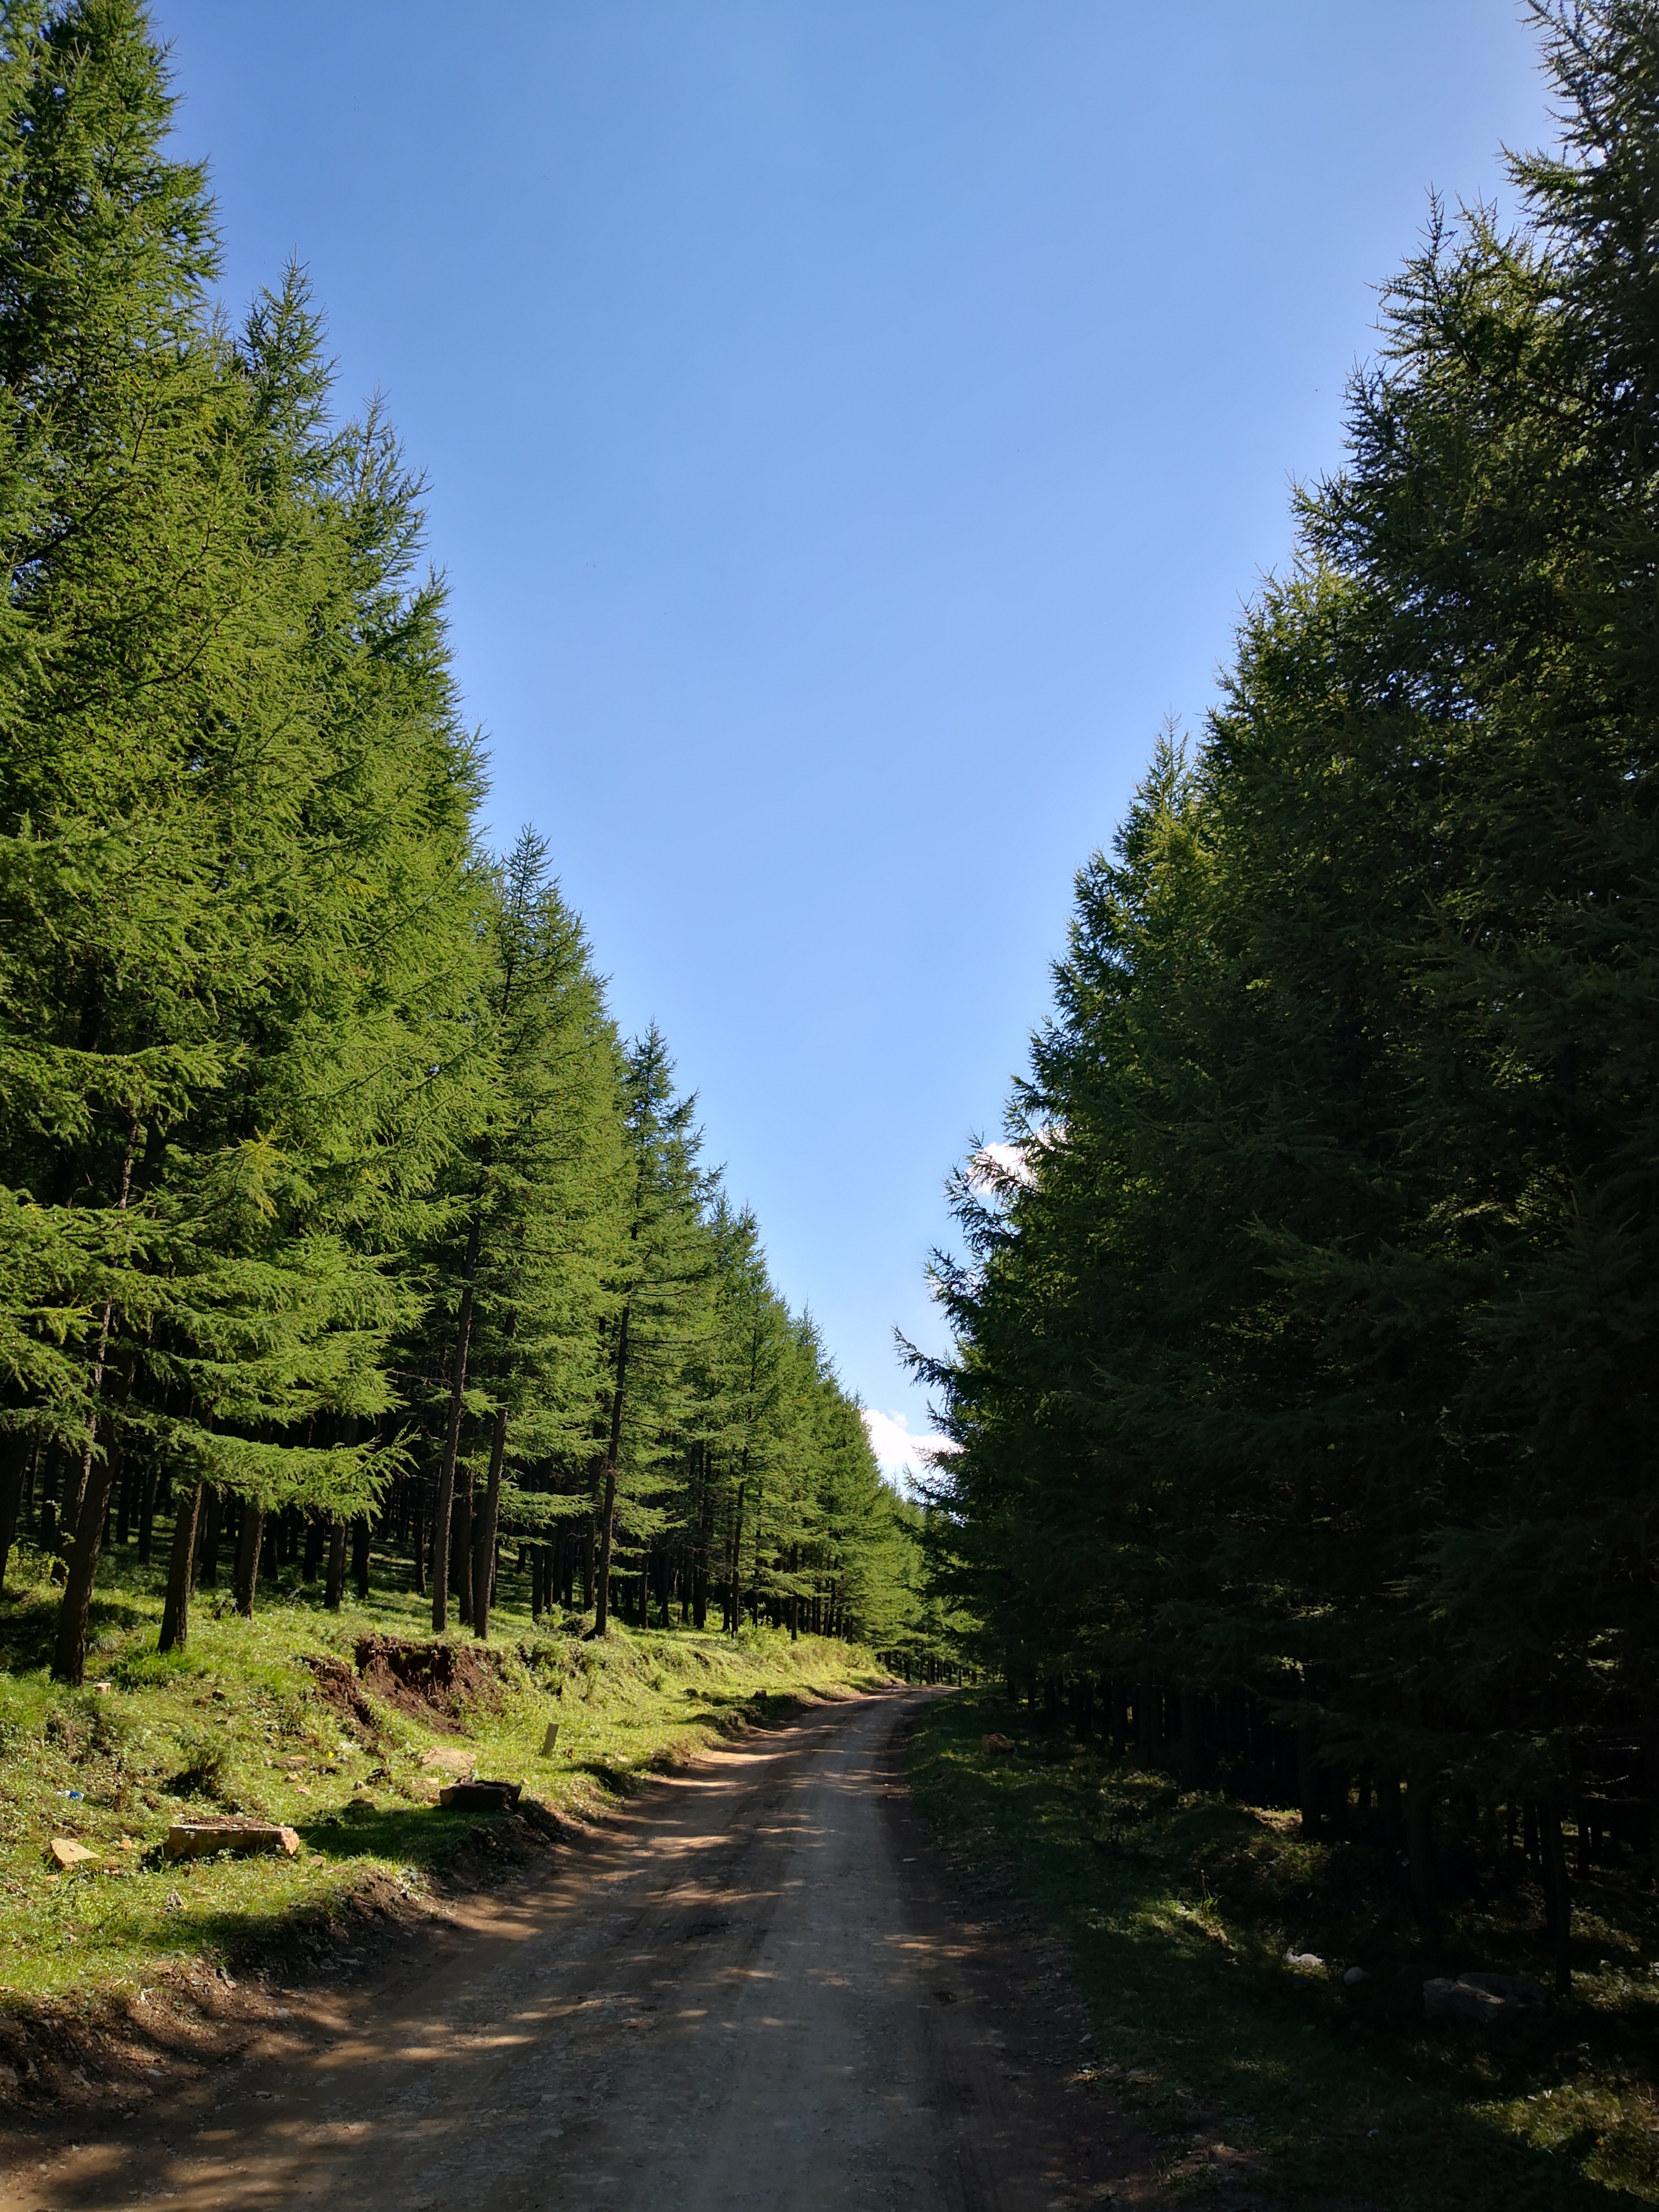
752	1994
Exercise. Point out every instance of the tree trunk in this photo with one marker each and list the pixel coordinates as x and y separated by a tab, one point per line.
15	1447
1192	1740
175	1617
602	1579
69	1662
461	1545
213	1511
1149	1733
67	1633
484	1543
1419	1854
1307	1778
418	1542
316	1546
247	1556
1559	1890
360	1555
147	1512
334	1588
1389	1815
613	1451
442	1510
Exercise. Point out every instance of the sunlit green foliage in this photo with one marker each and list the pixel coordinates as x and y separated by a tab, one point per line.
327	1189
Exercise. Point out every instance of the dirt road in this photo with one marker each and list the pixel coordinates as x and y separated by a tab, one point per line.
752	1994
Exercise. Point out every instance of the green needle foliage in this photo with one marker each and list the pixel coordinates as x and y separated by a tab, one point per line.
328	1196
1306	1342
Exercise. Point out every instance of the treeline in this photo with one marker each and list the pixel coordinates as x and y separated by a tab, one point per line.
1308	1339
329	1195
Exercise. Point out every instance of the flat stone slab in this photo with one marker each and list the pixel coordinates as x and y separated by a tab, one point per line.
67	1853
481	1797
199	1839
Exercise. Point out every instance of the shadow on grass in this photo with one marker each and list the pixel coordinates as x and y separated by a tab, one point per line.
28	1626
424	1836
620	1781
1348	2094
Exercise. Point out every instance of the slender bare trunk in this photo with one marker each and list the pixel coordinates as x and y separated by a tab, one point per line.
1192	1740
69	1662
1307	1778
147	1510
1559	1889
442	1510
16	1445
334	1587
602	1578
1419	1854
175	1617
73	1517
760	1515
460	1546
607	1514
248	1541
75	1612
484	1542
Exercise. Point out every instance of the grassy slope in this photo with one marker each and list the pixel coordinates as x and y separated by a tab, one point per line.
240	1710
1178	1912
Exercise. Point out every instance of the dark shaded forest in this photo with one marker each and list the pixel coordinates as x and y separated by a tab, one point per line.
1306	1334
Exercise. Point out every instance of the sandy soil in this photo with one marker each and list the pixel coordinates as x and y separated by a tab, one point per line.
751	1993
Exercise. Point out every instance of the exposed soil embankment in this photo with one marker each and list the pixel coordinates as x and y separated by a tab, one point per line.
440	1685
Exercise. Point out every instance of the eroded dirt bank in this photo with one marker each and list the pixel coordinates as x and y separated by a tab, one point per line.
752	1994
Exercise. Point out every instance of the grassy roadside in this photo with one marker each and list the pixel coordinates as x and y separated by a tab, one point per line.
239	1722
1178	1912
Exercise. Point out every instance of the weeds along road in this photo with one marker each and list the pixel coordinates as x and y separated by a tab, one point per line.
751	1993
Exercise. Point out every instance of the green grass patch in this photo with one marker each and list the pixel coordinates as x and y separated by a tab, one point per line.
238	1724
1178	1911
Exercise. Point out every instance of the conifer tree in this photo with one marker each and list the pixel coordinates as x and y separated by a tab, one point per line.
1305	1354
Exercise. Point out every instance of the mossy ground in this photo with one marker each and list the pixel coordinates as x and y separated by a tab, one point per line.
1178	1911
237	1723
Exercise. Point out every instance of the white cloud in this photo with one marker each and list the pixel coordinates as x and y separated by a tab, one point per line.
903	1456
993	1167
1007	1160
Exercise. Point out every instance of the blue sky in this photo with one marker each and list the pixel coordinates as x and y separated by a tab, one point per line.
852	427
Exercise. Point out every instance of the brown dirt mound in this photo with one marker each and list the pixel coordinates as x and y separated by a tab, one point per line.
436	1684
337	1687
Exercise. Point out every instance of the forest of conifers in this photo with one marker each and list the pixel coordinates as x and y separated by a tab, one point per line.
332	1206
1308	1336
